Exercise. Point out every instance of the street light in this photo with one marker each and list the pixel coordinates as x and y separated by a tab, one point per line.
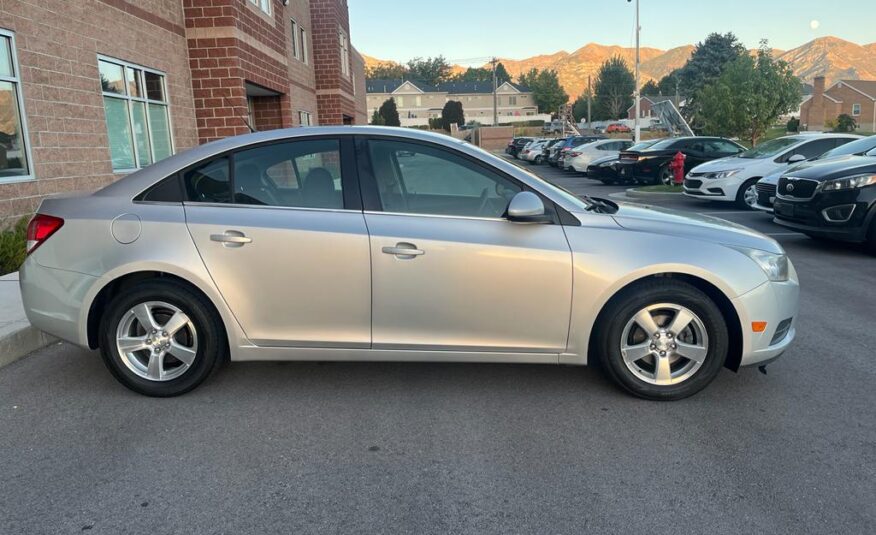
637	134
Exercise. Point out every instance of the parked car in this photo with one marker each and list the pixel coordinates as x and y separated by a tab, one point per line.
320	244
570	142
580	157
605	169
766	186
617	128
546	150
834	199
735	179
554	152
516	145
651	164
534	152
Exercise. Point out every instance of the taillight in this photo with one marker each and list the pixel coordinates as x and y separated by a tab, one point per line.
574	154
40	228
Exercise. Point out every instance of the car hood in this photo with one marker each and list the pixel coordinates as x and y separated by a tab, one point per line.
726	163
773	178
837	168
692	226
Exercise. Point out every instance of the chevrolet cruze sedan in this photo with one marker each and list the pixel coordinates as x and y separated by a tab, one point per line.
385	244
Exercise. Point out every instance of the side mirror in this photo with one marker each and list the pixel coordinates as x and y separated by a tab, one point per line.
526	207
797	158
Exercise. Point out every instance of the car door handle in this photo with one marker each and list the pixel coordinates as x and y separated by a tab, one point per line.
404	250
231	238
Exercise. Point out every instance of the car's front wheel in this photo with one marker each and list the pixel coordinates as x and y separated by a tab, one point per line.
662	340
746	197
161	339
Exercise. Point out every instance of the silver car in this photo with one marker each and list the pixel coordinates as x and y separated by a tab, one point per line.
386	244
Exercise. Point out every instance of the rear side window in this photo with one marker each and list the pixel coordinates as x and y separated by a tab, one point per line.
168	190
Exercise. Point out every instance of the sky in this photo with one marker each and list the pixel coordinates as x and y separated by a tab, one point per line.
466	31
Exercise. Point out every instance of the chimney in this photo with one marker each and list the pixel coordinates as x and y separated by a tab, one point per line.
817	86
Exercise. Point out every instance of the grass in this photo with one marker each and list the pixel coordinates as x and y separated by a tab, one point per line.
660	188
12	246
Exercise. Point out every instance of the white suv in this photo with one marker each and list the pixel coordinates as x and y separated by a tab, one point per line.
734	179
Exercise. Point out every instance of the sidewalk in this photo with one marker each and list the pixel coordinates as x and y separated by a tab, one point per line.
17	336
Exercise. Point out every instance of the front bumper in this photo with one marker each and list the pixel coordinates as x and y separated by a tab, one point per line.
711	188
774	303
808	216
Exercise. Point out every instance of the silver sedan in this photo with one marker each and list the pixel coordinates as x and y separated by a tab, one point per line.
386	244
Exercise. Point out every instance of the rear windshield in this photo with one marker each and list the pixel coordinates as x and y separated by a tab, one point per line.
643	145
663	144
770	148
858	146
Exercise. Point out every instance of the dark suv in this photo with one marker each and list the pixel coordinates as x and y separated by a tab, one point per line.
834	200
516	145
651	165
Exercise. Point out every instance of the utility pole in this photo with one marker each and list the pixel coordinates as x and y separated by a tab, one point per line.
495	96
589	99
637	136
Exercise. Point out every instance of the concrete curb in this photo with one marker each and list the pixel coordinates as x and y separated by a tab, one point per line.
17	336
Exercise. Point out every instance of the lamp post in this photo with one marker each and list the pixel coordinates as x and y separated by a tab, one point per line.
637	96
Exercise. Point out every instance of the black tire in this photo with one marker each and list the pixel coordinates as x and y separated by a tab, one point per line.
740	194
871	237
612	321
665	176
539	160
212	350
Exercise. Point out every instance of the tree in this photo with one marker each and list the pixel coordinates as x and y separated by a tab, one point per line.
377	119
452	113
389	112
433	71
706	64
579	108
845	123
614	89
502	75
748	98
547	92
650	89
386	71
670	84
483	74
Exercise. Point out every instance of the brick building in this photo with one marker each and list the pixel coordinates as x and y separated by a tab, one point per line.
856	98
93	89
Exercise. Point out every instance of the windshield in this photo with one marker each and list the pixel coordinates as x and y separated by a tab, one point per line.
858	146
770	148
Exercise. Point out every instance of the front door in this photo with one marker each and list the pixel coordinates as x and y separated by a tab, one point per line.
448	272
283	242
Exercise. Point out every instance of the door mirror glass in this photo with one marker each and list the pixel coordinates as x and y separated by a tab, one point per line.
797	158
526	207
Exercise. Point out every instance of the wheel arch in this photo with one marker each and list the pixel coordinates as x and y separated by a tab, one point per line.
724	304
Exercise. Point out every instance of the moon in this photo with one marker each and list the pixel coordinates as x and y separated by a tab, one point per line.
814	24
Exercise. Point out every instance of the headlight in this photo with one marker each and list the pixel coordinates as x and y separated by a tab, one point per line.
722	174
849	182
775	266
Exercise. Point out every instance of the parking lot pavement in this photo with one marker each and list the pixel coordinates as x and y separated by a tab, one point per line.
435	448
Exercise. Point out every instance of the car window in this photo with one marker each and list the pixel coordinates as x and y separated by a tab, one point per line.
813	148
418	179
300	174
848	146
669	144
721	147
770	148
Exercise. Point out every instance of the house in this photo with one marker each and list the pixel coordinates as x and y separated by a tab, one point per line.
851	97
417	102
93	89
645	104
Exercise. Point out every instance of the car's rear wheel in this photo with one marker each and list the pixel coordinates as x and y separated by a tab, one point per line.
746	197
539	159
161	339
871	237
664	340
666	177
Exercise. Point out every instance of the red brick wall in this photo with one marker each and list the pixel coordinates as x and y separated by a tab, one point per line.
57	45
335	95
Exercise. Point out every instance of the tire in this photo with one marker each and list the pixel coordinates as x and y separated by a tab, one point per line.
871	238
706	333
665	176
200	338
743	198
539	160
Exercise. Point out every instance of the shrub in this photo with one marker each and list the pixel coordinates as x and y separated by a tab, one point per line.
13	242
793	125
845	123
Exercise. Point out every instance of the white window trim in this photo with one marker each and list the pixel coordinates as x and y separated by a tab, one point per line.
303	35
302	114
858	107
19	95
147	101
261	4
296	40
344	45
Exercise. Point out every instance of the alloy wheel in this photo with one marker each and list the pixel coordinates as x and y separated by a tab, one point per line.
666	177
664	344
157	341
749	196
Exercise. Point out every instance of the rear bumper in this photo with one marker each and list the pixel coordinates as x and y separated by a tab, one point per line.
54	300
774	303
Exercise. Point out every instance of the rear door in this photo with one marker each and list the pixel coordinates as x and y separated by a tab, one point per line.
448	271
281	231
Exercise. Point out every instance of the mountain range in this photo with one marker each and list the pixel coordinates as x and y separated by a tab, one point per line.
832	57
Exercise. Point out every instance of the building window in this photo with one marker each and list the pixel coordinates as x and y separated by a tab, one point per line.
400	101
856	109
296	44
512	101
303	42
264	5
345	53
14	155
305	118
137	121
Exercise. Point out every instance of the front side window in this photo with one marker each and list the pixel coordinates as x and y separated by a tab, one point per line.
137	122
418	179
815	148
298	174
13	139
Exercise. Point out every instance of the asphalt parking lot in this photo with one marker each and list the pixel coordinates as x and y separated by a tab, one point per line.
435	448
